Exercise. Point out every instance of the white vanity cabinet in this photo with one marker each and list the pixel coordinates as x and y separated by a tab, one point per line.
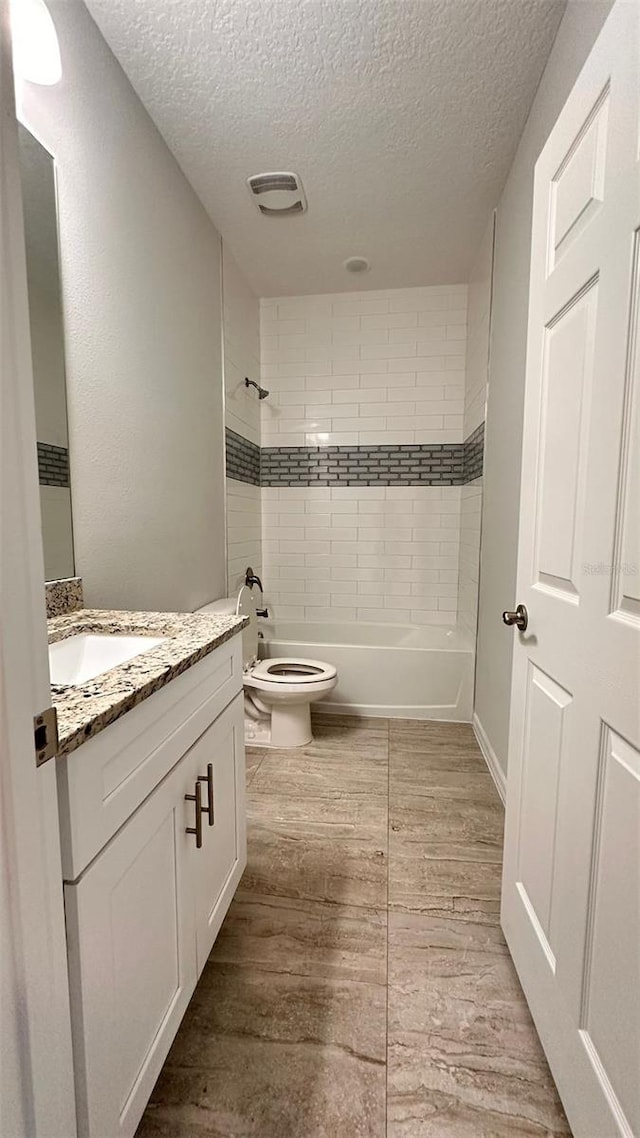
143	913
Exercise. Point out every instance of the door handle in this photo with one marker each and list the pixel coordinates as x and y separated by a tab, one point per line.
209	808
197	829
520	617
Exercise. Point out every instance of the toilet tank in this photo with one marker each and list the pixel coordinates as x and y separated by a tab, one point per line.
242	605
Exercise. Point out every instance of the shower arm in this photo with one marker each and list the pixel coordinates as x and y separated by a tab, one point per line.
262	391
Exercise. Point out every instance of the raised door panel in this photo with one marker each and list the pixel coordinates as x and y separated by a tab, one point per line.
610	1020
577	188
219	864
626	576
564	425
546	733
132	961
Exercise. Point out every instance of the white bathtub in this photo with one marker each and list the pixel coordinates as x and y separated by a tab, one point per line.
390	670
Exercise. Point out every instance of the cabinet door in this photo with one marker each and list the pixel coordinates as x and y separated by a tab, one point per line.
218	865
132	961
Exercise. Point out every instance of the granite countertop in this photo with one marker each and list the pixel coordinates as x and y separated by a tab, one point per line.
86	709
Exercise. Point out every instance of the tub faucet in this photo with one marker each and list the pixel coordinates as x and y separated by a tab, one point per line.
251	579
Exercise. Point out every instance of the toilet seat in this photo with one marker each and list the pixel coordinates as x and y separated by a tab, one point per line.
288	670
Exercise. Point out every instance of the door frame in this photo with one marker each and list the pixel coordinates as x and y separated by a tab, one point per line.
39	1095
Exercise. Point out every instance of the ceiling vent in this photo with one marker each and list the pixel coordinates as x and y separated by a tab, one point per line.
357	265
277	195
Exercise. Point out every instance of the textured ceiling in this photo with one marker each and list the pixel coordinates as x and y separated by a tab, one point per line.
401	117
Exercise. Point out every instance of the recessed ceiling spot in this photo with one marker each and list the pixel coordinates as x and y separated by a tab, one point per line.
357	265
277	193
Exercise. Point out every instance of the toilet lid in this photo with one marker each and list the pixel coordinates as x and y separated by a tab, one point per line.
246	606
287	670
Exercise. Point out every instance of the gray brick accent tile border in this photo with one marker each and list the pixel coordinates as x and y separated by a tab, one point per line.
474	455
412	464
53	465
242	458
409	464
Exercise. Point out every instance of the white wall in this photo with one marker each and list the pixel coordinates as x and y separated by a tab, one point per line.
241	337
579	28
363	369
475	400
140	265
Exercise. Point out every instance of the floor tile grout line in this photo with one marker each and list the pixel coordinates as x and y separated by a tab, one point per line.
386	1051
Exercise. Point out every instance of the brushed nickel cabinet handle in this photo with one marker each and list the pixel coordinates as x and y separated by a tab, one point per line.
208	778
197	829
520	617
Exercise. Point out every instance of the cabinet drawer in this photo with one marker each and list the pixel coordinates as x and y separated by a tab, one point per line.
105	780
132	960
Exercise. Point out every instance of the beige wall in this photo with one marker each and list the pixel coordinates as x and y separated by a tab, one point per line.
141	274
241	350
579	28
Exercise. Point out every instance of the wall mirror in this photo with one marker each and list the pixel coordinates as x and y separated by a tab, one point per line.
37	173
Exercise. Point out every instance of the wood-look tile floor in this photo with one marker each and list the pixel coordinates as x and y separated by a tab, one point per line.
360	985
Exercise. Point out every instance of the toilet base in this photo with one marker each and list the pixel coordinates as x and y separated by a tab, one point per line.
286	727
291	725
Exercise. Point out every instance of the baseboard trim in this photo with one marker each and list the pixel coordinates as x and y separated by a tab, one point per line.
490	758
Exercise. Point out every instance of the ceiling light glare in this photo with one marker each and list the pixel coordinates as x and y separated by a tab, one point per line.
36	51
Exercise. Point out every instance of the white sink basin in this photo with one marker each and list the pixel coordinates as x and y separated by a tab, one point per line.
83	657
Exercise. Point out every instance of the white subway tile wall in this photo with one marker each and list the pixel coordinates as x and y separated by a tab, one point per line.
370	368
382	554
364	367
469	563
241	340
244	532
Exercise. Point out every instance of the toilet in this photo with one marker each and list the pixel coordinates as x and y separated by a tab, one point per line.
278	692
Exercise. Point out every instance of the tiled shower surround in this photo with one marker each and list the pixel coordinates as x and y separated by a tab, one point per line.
364	368
362	458
366	407
377	554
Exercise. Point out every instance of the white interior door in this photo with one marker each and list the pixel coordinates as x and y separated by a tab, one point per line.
571	890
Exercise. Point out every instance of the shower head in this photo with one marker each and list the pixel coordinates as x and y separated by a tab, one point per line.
262	391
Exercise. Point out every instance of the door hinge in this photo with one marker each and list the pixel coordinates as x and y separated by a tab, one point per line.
45	735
